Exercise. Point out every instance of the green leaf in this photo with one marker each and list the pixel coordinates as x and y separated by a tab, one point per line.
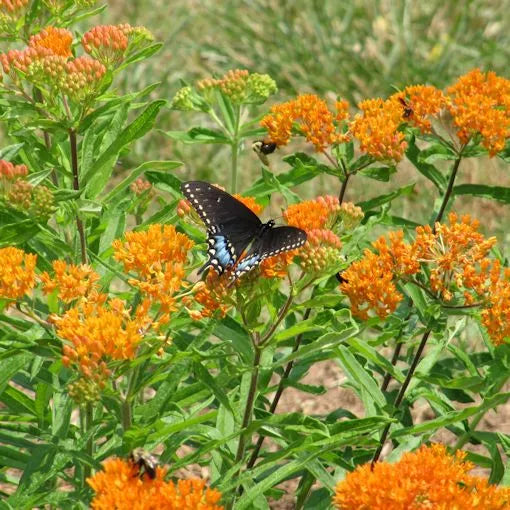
10	151
143	54
204	375
369	353
198	135
139	170
452	417
99	174
380	173
500	193
426	169
360	378
384	199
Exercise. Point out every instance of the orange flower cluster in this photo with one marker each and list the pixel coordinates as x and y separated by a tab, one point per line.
107	43
12	6
139	186
37	201
17	273
369	286
418	103
495	315
47	62
212	296
376	129
480	105
456	255
317	217
428	478
457	267
10	172
119	486
57	40
158	255
313	214
71	281
11	11
312	118
82	78
99	330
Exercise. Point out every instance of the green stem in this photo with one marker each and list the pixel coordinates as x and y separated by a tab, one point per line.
401	393
248	410
89	419
235	149
343	188
76	187
279	392
448	192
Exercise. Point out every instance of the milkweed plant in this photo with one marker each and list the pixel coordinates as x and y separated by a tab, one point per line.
110	341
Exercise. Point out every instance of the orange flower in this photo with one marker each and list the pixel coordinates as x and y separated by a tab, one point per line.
10	172
277	266
119	486
82	78
212	296
418	103
317	217
369	286
457	266
158	256
107	43
479	104
98	331
313	214
311	117
429	478
495	314
57	40
71	281
21	59
456	255
376	129
11	11
17	272
321	251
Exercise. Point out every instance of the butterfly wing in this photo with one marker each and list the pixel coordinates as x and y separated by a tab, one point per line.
231	226
272	242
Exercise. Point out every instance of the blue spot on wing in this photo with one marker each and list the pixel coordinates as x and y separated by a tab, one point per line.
222	252
247	264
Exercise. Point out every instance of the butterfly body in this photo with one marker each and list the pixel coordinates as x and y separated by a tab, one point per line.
237	240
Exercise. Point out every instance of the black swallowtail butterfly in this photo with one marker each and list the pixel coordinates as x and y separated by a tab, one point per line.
237	239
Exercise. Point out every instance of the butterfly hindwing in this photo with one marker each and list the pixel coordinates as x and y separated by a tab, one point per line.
272	242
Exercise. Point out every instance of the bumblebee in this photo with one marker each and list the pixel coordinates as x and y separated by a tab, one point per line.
262	148
408	111
145	462
339	276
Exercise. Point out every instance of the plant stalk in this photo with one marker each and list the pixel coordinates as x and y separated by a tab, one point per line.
343	188
89	419
448	191
76	187
402	392
235	150
278	394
